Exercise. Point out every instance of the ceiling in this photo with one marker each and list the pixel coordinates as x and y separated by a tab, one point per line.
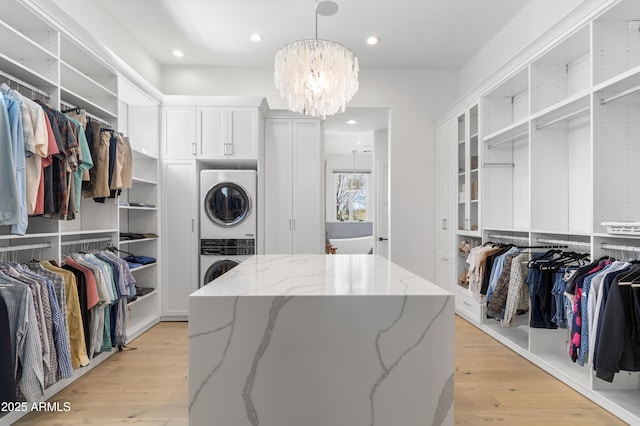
413	33
442	34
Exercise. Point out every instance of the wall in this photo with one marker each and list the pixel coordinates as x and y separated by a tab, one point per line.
415	98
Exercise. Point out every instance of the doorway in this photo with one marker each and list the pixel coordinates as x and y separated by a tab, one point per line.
357	181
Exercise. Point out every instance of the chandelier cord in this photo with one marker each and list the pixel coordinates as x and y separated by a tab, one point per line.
316	20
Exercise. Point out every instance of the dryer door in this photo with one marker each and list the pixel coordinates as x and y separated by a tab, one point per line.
227	204
218	268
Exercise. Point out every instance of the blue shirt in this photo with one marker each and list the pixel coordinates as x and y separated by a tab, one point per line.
9	200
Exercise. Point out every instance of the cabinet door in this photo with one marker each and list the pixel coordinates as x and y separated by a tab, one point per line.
446	273
277	182
179	233
242	132
308	188
212	132
446	174
179	135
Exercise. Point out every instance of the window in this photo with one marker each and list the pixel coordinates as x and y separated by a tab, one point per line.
351	204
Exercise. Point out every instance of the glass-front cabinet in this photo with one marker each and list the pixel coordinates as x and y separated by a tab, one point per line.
468	172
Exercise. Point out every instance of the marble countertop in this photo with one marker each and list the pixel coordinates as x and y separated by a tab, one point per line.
319	275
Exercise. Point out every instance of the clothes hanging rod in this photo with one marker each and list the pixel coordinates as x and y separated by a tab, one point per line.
86	241
24	84
564	242
507	237
88	114
619	95
511	139
606	246
564	117
498	165
25	247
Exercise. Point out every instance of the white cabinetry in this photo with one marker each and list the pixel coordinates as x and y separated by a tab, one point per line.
179	229
446	231
560	157
179	132
468	171
294	206
211	132
141	121
40	57
228	132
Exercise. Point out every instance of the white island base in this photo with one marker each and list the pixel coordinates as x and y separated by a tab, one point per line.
342	340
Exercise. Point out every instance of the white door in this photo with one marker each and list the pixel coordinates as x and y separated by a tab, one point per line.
308	192
243	131
212	134
382	209
278	220
180	239
179	135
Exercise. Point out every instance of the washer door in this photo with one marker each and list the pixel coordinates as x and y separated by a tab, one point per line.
219	268
227	204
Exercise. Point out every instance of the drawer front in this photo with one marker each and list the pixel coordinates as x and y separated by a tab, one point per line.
467	305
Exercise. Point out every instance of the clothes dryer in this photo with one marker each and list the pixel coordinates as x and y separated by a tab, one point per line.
219	255
228	204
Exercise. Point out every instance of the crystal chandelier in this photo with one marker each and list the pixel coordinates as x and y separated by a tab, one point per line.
316	77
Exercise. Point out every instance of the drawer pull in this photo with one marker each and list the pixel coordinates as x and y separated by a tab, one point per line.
467	303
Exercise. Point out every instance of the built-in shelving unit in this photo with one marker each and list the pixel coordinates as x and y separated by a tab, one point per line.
39	58
560	155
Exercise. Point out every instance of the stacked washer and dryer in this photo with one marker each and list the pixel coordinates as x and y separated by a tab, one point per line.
228	220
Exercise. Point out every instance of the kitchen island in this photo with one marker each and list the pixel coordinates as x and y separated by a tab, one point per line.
317	340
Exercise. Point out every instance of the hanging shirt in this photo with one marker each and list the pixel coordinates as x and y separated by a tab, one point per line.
85	164
73	311
7	372
9	198
27	351
17	149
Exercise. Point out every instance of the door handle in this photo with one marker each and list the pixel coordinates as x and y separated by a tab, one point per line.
383	239
193	149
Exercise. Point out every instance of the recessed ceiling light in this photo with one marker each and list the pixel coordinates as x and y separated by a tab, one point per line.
373	40
351	122
178	53
256	37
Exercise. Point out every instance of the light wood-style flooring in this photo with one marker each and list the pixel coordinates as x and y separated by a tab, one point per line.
149	386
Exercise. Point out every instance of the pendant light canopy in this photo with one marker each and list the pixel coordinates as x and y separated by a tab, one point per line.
316	77
354	183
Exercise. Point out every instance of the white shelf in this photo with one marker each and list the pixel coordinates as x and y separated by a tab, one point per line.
137	154
79	82
564	110
619	83
144	181
143	267
147	296
141	240
508	134
28	236
90	106
141	326
89	232
138	208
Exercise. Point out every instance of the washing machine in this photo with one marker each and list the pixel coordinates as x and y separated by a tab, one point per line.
219	255
228	204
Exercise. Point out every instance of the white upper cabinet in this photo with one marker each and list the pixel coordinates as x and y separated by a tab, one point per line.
228	132
179	132
211	132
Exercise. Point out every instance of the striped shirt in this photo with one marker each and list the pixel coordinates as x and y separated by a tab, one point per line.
27	350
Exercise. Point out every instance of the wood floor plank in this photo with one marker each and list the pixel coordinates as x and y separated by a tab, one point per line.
149	386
